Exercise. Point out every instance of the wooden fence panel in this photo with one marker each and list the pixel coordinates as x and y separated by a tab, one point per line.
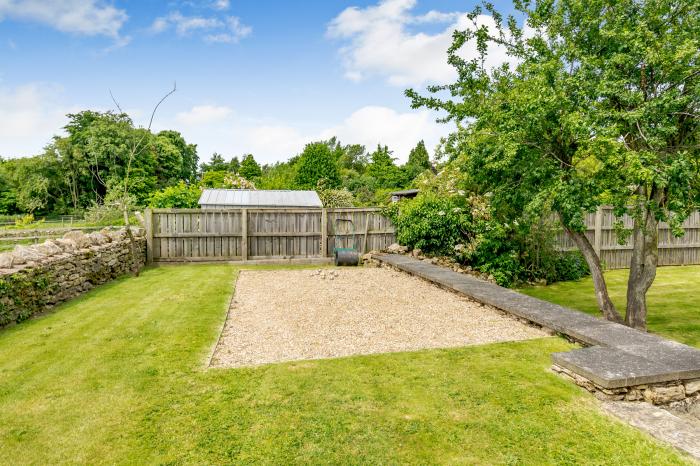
600	230
194	235
372	231
182	235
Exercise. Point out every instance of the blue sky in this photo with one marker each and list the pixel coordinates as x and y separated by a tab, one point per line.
252	76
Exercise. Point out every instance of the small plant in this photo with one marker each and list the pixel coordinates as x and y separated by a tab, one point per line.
27	220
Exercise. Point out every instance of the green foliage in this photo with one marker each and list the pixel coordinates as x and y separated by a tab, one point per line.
187	155
213	179
418	161
234	165
76	170
280	175
383	169
598	106
250	170
430	223
334	198
317	163
216	164
179	196
464	228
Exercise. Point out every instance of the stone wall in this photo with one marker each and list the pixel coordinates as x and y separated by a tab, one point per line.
34	279
667	393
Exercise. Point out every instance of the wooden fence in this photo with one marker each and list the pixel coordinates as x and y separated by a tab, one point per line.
262	234
672	251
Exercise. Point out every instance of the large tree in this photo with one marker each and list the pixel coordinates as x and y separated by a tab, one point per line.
317	163
601	107
418	161
250	169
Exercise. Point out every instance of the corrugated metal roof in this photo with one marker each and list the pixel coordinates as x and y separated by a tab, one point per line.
222	198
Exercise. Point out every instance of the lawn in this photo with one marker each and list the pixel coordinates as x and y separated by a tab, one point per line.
119	376
672	301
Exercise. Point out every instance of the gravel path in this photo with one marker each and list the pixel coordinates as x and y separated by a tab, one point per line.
286	315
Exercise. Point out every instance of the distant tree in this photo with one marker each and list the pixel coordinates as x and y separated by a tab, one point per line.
8	194
279	175
168	166
250	170
216	164
383	169
188	155
234	165
418	161
317	163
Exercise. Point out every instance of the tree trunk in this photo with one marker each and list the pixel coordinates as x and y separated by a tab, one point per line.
605	304
645	258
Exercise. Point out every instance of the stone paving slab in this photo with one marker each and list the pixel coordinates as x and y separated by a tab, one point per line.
611	367
659	423
619	355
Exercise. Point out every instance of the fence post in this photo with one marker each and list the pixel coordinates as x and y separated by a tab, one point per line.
364	240
598	231
149	235
244	235
324	232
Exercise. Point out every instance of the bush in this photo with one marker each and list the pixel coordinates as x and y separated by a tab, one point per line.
179	196
463	228
430	223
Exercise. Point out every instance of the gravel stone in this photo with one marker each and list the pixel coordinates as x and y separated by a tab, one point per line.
287	315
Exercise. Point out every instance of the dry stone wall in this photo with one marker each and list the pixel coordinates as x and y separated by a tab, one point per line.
34	279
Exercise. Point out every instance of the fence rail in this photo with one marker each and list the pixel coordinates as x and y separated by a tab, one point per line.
261	234
600	230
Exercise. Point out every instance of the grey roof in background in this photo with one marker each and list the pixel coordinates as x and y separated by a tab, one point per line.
222	198
405	192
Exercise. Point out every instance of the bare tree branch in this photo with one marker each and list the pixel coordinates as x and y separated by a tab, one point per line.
115	102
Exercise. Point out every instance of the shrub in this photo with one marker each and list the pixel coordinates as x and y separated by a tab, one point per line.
431	223
463	228
179	196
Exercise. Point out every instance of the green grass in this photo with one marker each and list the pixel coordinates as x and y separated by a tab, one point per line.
672	300
118	376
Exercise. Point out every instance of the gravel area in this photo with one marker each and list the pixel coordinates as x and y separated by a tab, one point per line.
286	315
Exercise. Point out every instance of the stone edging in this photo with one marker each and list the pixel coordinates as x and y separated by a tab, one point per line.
619	361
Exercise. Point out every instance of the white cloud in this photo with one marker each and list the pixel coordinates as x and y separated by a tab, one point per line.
219	129
221	4
203	114
379	42
30	115
229	29
374	125
86	17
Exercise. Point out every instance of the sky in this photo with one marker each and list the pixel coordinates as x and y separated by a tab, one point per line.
262	77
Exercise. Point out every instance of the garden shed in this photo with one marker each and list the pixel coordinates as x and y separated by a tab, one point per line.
396	196
241	198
